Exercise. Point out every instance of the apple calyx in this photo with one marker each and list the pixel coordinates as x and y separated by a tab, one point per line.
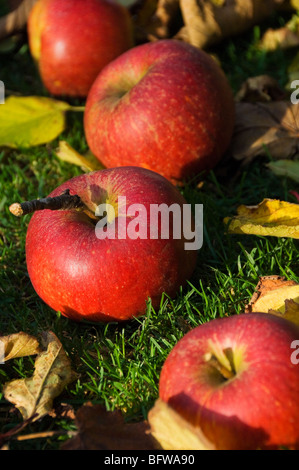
65	201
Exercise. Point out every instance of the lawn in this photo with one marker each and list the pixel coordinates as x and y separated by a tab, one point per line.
118	365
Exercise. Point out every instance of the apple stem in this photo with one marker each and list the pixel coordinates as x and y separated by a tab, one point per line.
223	361
230	356
226	373
65	201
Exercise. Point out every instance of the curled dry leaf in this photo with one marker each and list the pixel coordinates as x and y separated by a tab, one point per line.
16	20
159	25
269	218
207	22
260	88
263	128
278	296
99	429
282	38
34	396
201	23
173	432
19	345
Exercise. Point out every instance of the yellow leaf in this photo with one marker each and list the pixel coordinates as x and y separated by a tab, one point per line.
275	299
277	296
68	154
34	395
218	3
173	432
19	345
295	4
291	311
32	120
269	218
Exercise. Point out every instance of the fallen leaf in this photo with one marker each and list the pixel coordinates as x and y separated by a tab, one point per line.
19	345
291	311
99	429
275	300
265	128
26	121
208	22
16	20
201	23
262	88
269	218
281	38
68	154
287	168
154	18
278	296
267	284
63	410
173	432
142	12
34	396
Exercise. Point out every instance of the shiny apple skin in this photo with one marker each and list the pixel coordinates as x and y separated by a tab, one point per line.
166	106
72	40
258	408
86	278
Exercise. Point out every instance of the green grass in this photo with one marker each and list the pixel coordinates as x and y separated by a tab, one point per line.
119	364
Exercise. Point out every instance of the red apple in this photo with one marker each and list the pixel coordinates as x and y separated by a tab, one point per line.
88	278
234	378
72	40
166	106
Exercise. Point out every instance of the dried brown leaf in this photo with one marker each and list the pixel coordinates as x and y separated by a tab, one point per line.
281	38
34	396
19	345
201	22
16	20
99	429
156	19
261	88
263	128
162	19
208	22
